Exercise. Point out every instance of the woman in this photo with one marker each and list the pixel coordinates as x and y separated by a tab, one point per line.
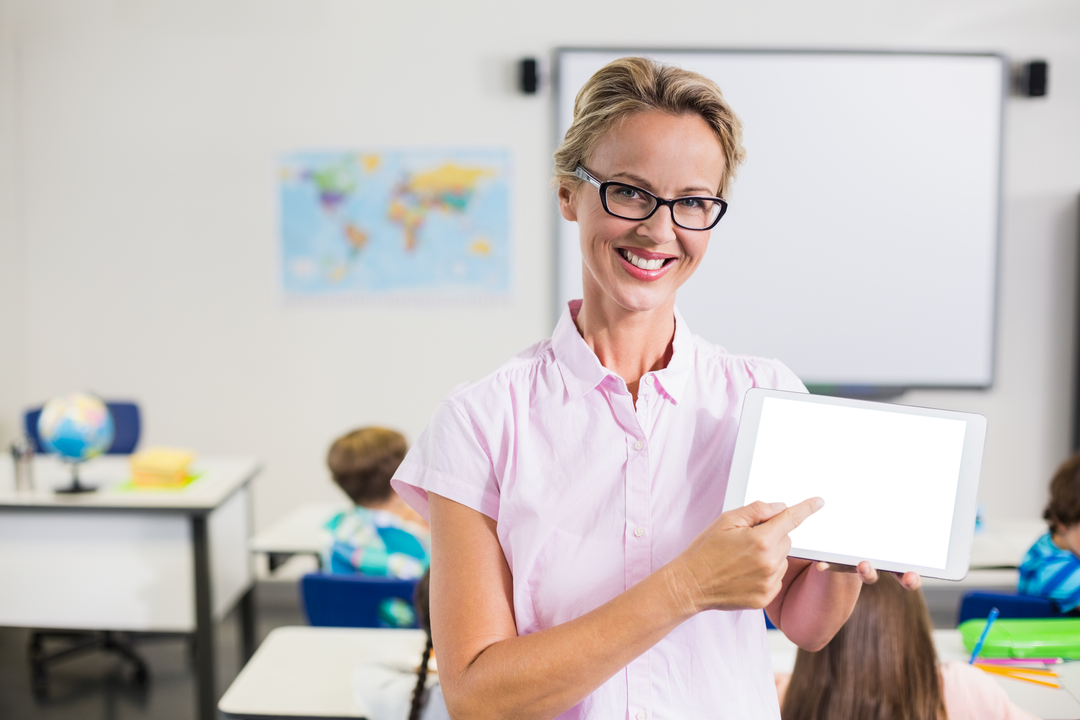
882	664
575	494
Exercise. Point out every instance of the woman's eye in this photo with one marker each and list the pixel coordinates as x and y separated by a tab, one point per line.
627	193
690	203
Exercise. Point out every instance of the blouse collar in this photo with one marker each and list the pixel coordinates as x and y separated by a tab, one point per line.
582	371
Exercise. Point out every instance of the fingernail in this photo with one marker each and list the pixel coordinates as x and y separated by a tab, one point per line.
778	506
823	566
819	503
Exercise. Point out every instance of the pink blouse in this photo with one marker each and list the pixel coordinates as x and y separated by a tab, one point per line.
591	495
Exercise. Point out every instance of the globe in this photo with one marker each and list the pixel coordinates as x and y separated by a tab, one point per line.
76	427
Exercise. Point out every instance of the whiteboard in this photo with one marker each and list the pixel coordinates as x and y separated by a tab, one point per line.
860	244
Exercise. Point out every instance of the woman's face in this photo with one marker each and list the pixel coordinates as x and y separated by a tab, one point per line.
670	156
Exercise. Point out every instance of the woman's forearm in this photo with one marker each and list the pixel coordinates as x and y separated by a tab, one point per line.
488	671
815	603
543	674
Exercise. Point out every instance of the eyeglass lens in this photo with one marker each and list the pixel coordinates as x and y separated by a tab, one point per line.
630	203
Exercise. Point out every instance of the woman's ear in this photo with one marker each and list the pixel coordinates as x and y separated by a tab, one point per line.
567	202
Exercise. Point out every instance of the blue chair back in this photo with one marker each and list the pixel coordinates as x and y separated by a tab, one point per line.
350	600
977	605
126	421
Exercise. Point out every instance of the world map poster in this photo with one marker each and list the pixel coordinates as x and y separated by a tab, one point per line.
395	224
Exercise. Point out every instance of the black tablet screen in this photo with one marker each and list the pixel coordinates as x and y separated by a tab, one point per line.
889	478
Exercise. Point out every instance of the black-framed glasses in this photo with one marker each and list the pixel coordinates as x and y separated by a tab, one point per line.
632	203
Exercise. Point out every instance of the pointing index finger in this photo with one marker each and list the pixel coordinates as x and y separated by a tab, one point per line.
795	515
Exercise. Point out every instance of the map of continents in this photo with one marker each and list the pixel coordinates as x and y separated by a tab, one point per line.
395	224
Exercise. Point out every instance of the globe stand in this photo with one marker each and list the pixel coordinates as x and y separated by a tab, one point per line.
75	488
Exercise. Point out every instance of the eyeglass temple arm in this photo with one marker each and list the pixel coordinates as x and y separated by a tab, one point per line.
583	174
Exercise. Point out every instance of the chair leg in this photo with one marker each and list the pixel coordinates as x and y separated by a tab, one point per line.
120	647
107	640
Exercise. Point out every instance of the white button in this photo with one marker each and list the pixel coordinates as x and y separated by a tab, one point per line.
648	381
638	532
640	715
638	445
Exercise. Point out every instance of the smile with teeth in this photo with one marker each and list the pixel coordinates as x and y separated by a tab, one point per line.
642	262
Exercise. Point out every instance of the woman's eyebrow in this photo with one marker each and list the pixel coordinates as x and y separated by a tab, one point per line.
646	185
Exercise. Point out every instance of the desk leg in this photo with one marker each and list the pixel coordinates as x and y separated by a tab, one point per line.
247	623
206	697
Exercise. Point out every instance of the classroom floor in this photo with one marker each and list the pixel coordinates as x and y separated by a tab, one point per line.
98	686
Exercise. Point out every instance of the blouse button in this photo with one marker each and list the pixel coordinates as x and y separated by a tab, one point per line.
648	379
638	445
638	532
640	715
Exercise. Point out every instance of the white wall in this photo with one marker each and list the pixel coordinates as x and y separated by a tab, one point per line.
12	350
139	210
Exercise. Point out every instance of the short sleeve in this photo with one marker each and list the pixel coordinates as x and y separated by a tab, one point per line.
451	459
774	375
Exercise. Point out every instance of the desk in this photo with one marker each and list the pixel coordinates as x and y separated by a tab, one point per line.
143	561
300	532
1043	702
305	672
1002	544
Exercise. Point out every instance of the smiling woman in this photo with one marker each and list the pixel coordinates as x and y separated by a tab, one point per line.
583	563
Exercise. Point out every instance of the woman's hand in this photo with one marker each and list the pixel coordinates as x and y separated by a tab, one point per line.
741	559
869	576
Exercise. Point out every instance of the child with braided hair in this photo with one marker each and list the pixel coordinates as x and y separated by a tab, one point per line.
397	693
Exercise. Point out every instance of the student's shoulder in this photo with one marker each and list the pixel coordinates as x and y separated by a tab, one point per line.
971	693
1044	552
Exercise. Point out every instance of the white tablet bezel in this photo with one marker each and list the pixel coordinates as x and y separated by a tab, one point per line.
963	524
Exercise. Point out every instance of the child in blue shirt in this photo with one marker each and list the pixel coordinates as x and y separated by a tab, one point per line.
381	535
1051	568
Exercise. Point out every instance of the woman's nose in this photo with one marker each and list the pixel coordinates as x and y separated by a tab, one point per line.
660	228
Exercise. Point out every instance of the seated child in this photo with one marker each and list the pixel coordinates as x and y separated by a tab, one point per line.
381	535
403	692
882	664
1051	568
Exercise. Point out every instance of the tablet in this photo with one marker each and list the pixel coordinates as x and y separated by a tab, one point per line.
899	482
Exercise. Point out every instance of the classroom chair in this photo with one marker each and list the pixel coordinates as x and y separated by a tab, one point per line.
334	600
127	423
977	604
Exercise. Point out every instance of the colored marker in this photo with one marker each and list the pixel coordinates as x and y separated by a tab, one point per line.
994	612
1022	661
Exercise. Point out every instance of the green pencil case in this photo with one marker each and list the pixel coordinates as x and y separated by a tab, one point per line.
1025	638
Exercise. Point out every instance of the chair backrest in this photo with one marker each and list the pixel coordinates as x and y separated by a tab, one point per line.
126	421
351	600
977	605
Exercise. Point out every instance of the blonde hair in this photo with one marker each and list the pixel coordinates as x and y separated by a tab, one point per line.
632	85
363	462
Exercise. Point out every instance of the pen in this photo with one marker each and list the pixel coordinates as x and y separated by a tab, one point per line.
994	612
1015	670
1006	673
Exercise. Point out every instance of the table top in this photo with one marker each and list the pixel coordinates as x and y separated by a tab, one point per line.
1003	543
306	672
219	478
300	531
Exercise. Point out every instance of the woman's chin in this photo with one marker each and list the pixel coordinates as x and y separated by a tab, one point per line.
639	300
